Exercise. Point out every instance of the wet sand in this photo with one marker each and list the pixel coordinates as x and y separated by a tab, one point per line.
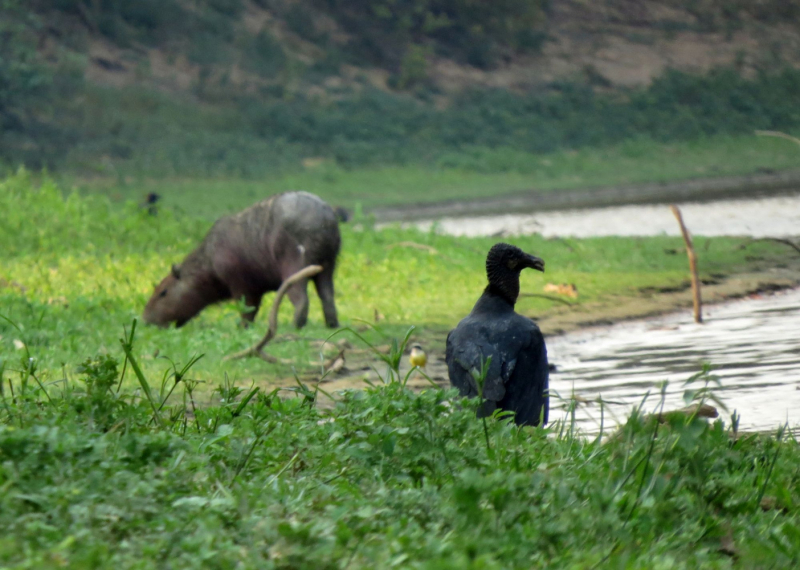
538	200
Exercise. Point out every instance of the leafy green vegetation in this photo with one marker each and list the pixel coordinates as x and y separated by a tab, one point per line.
152	22
92	475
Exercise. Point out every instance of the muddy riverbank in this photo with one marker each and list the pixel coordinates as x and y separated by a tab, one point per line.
701	189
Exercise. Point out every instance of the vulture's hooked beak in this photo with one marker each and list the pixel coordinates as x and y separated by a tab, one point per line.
534	263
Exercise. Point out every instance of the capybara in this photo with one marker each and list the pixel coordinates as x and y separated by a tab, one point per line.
250	253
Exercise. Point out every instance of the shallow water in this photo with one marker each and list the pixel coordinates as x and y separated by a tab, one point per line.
776	217
753	345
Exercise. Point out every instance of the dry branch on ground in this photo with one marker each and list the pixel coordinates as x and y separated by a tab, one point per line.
258	348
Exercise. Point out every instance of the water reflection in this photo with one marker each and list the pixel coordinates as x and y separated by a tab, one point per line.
763	217
753	344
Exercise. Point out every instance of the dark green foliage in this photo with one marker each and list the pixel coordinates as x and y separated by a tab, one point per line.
475	32
205	26
299	18
231	8
151	21
265	55
413	68
150	133
717	15
25	83
381	128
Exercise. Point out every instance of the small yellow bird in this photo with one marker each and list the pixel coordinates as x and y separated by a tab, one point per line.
418	356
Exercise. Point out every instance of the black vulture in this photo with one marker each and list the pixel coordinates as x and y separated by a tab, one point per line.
150	203
517	377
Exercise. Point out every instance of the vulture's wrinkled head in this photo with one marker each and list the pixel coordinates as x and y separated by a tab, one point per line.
503	265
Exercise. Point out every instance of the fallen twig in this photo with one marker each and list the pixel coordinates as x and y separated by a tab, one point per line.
779	240
258	348
335	364
779	135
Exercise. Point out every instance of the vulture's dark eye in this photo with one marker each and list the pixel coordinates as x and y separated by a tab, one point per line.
163	293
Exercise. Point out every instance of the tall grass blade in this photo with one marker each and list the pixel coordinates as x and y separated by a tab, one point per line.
240	408
778	442
127	346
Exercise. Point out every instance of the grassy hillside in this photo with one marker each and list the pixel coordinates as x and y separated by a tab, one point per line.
259	90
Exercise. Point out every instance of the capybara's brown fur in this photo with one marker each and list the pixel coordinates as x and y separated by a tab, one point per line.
250	253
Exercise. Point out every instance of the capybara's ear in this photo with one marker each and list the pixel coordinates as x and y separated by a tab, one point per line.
176	271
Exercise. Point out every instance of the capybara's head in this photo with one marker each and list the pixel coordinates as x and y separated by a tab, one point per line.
176	300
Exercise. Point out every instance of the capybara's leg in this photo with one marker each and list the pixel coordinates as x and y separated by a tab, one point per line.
253	302
324	284
298	295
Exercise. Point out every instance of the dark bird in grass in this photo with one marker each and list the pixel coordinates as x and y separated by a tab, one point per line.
342	213
150	203
517	376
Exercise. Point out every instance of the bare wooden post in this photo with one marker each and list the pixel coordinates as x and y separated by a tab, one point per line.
698	303
258	348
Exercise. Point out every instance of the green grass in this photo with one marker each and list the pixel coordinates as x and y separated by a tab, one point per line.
176	468
479	173
76	269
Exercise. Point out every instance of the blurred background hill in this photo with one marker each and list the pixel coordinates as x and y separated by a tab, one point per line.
152	89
